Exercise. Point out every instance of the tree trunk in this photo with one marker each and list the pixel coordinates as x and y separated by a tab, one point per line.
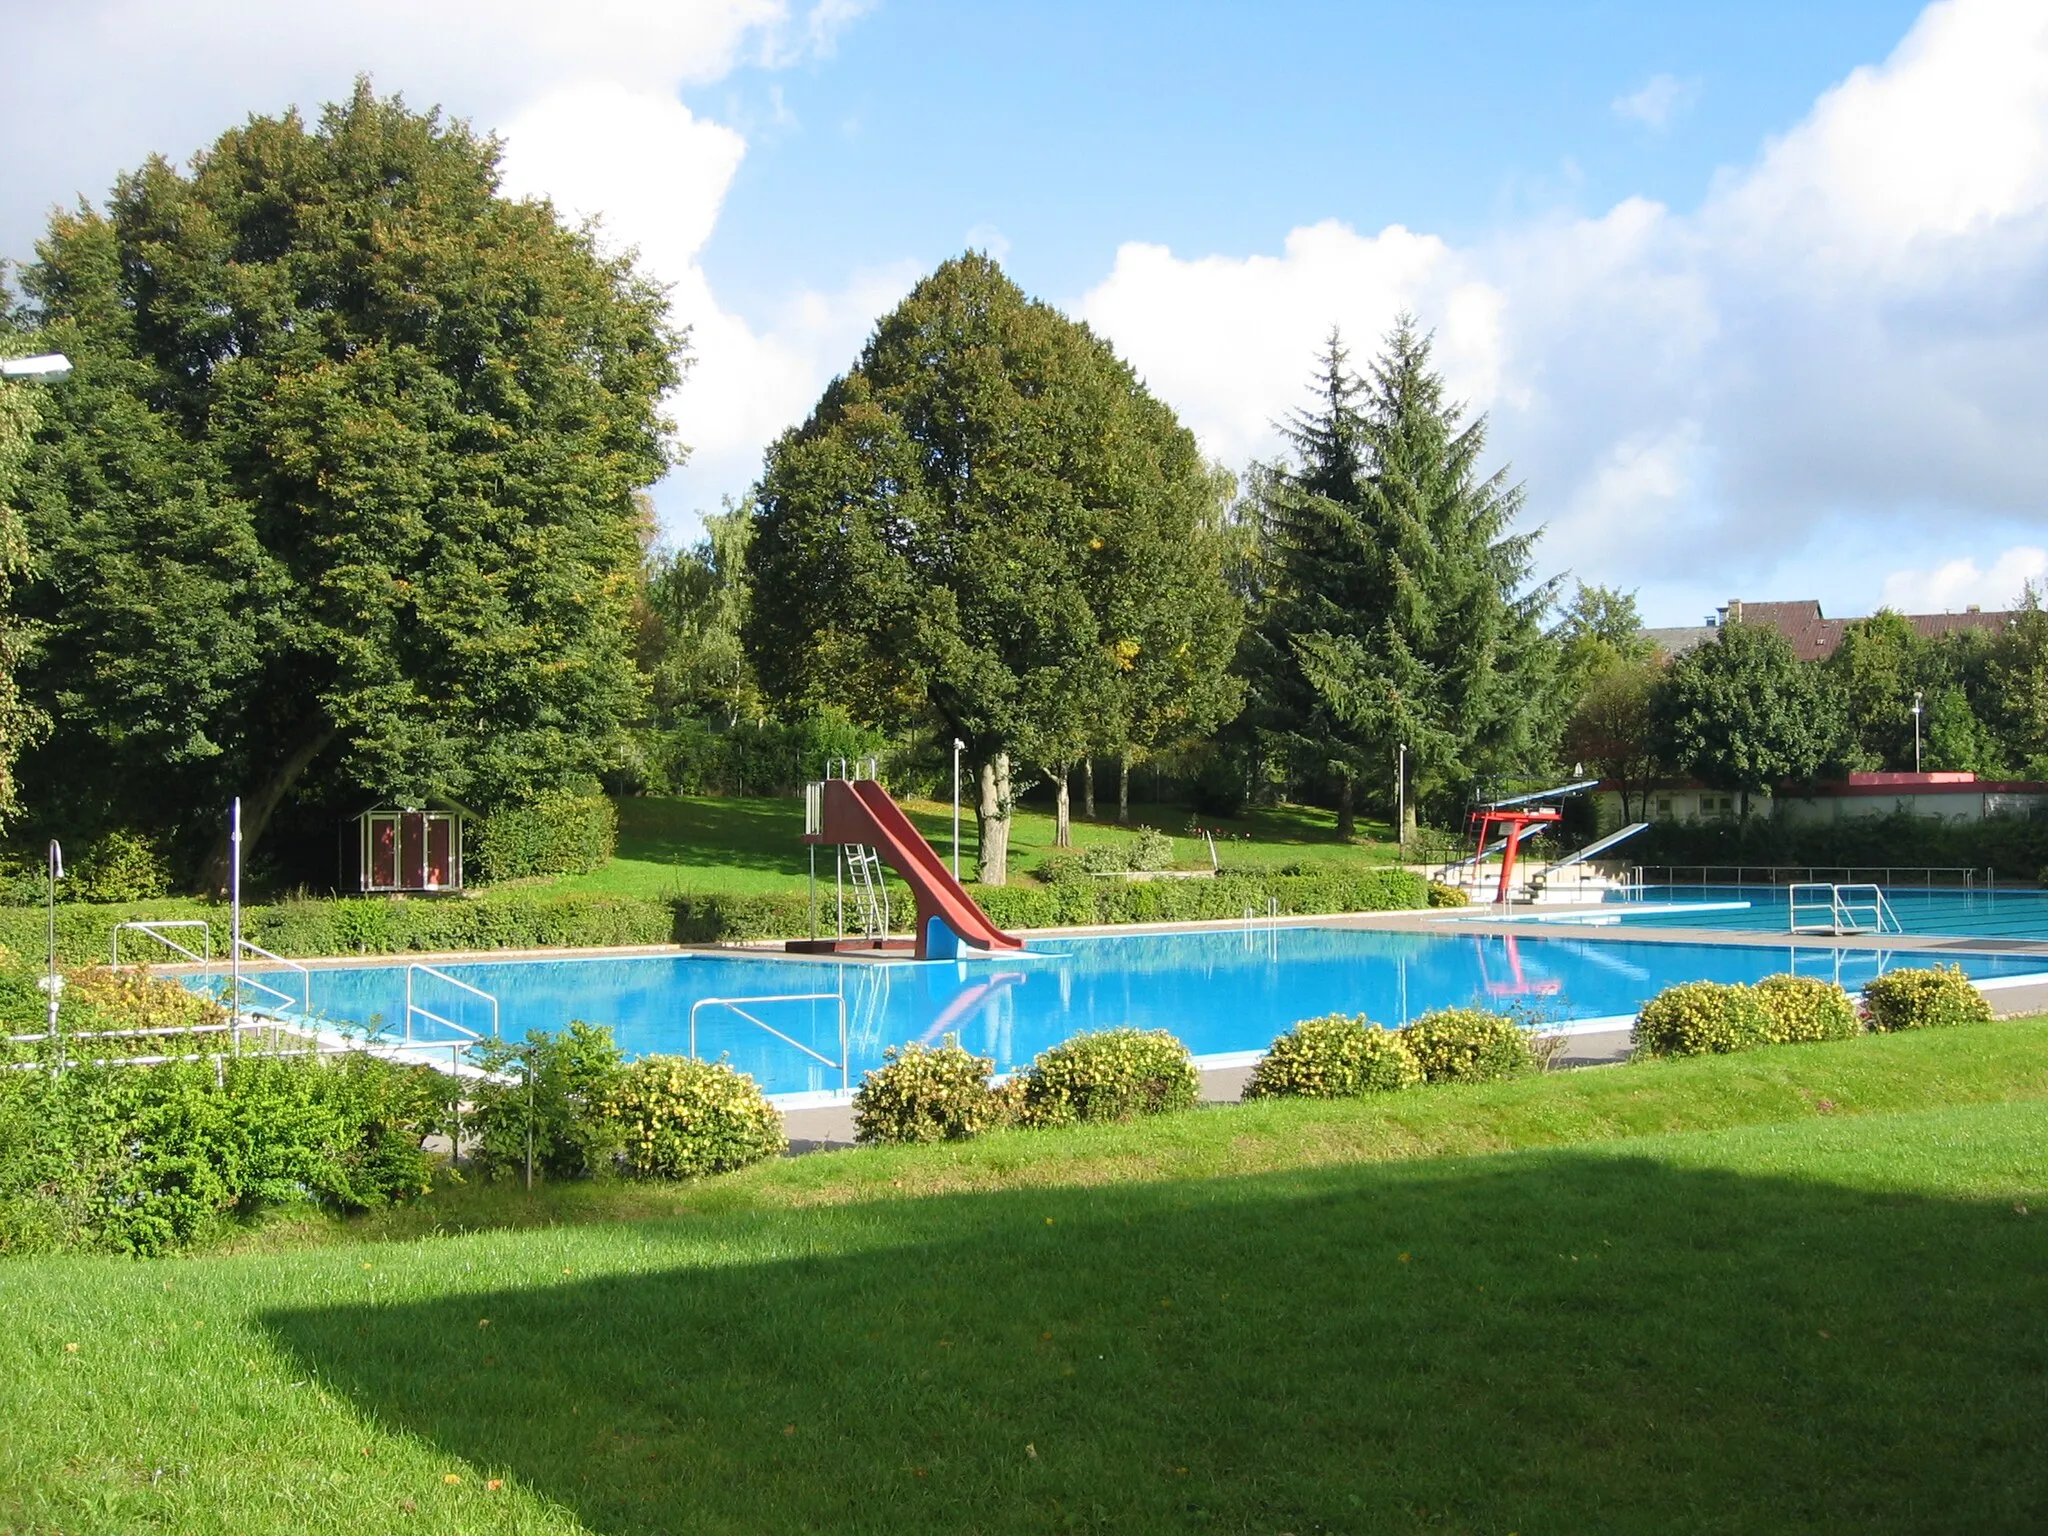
1087	789
1347	812
258	808
1123	787
1062	819
992	820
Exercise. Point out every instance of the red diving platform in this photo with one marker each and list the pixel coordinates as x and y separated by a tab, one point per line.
858	813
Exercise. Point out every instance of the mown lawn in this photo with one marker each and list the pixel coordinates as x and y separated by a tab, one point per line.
716	843
1797	1289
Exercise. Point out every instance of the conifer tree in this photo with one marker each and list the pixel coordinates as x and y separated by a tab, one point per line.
1399	609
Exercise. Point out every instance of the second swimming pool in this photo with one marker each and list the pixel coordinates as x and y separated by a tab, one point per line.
1221	992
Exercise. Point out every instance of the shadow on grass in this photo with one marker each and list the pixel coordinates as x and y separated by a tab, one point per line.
1557	1342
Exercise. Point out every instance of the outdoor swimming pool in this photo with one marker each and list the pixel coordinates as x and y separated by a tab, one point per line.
1981	913
1221	992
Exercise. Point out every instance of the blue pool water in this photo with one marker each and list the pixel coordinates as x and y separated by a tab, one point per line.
1219	992
2018	913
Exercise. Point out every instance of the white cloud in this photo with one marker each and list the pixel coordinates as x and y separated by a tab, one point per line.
585	96
1958	584
1660	100
1844	349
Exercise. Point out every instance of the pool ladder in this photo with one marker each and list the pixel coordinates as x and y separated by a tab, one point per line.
1841	910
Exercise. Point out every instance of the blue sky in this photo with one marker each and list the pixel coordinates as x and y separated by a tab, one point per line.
1070	128
1755	295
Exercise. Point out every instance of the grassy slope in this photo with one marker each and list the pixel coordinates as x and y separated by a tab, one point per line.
705	843
1809	1300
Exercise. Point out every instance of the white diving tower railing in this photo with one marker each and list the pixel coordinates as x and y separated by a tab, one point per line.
1841	910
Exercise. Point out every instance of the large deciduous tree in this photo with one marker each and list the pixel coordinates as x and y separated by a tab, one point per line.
19	723
989	524
1398	607
1742	712
344	480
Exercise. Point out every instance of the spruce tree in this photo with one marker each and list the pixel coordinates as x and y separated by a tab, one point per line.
1398	606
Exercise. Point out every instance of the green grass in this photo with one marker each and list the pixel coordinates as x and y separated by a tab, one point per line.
746	846
1791	1289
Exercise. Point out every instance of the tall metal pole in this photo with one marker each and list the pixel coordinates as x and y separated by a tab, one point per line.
1916	730
55	982
1401	797
235	927
958	747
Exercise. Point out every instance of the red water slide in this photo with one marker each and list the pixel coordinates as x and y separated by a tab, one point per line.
860	811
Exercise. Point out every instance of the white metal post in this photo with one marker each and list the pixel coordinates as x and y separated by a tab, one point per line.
1401	797
55	982
235	924
1916	730
958	747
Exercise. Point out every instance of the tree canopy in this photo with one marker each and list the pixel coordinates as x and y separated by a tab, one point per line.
342	490
1746	713
989	524
1399	607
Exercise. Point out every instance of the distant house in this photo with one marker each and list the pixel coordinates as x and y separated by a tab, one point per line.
1950	796
1812	635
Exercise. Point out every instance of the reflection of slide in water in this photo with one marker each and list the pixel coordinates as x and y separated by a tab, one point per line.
968	1003
1516	984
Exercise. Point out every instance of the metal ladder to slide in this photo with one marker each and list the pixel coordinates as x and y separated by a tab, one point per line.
870	894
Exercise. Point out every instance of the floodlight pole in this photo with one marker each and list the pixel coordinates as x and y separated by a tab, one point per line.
1916	730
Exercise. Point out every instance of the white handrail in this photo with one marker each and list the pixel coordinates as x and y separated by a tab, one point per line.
245	946
843	1063
153	926
412	1007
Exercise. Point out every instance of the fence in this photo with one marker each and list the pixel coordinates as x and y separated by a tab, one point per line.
1930	877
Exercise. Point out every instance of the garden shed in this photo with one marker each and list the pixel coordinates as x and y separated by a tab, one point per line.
392	847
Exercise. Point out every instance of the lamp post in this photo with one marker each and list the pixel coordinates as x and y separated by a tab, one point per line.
959	746
1916	730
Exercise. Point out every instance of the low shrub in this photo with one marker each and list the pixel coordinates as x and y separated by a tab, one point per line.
1698	1018
1469	1045
1117	1074
677	1118
1805	1008
1335	1057
560	832
1151	849
1059	867
1932	998
1104	859
149	1159
544	1100
1441	895
922	1093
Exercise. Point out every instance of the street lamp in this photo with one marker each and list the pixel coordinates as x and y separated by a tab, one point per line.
46	367
959	746
1916	730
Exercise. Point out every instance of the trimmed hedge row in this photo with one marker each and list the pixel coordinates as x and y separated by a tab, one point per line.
926	1093
1698	1018
539	919
1073	904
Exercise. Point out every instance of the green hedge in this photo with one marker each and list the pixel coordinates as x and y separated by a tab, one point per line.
543	919
563	832
1070	904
